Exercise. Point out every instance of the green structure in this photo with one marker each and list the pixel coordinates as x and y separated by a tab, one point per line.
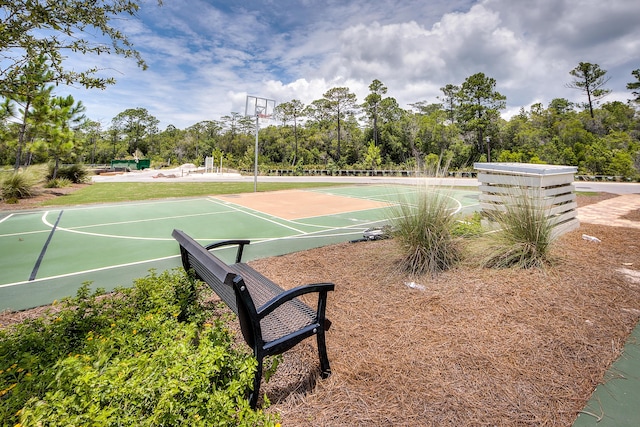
132	164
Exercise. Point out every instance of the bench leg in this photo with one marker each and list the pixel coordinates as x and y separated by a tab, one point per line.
253	397
325	369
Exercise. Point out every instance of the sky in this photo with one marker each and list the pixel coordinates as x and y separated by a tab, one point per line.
206	56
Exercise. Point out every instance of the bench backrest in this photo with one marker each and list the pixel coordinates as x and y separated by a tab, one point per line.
207	268
220	277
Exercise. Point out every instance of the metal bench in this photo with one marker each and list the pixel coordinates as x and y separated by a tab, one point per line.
272	320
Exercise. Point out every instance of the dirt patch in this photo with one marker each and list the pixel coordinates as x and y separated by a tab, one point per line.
298	204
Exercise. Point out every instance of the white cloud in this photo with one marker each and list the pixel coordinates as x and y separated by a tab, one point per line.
205	59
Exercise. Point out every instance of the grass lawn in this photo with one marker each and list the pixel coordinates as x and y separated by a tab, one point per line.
130	191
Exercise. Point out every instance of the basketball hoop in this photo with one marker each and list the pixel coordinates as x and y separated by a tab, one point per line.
260	108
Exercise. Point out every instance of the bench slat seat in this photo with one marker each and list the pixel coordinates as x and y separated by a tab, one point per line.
287	318
272	319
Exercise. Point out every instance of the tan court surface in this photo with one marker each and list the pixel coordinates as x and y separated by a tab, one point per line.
298	204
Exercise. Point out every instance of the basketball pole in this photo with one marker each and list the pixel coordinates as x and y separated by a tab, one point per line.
258	107
255	157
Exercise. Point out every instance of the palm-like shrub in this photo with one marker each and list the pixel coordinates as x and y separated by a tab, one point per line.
525	236
424	232
76	173
18	185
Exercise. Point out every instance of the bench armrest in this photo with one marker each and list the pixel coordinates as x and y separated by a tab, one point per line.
320	288
240	243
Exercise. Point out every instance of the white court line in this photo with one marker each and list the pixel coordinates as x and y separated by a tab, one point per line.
334	214
230	205
378	198
374	198
298	221
357	228
455	210
310	235
459	205
132	204
147	220
112	267
250	211
77	273
113	236
347	230
24	232
5	218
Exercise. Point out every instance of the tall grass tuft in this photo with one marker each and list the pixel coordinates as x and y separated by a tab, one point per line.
424	232
525	236
18	185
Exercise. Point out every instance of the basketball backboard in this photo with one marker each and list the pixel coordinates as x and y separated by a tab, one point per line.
259	107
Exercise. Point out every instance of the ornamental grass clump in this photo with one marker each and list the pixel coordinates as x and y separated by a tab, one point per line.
525	235
18	185
424	232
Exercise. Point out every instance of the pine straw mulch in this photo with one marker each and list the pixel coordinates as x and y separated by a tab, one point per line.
42	194
476	347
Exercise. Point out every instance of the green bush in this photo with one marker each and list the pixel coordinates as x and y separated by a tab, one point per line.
468	226
525	235
77	173
19	185
424	231
143	356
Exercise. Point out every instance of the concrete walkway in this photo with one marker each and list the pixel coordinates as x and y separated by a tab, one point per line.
611	212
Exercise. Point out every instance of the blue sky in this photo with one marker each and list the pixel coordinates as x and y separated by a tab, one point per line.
206	56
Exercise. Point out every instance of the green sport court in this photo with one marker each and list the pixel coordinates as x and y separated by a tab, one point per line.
49	254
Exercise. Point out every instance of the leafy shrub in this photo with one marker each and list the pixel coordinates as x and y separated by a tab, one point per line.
58	183
143	357
77	173
19	185
525	236
424	230
468	226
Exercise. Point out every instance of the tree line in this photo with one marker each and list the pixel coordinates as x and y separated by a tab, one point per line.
337	131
